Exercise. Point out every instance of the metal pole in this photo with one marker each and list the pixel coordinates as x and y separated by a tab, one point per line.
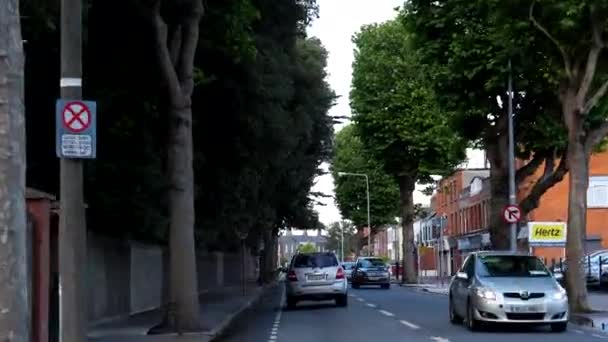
369	225
72	222
243	283
342	241
512	194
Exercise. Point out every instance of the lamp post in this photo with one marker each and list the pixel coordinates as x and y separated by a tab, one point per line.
512	195
369	236
242	235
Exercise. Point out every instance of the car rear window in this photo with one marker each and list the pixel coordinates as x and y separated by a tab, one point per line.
315	260
372	262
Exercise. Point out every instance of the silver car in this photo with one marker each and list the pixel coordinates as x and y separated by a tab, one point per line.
316	276
495	287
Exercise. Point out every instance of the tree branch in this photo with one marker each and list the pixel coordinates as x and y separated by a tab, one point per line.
150	10
175	43
549	179
190	35
528	170
567	62
595	136
592	102
592	59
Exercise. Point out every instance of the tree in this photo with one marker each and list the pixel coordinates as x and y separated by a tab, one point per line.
470	44
397	118
307	248
334	238
350	156
572	37
176	36
14	302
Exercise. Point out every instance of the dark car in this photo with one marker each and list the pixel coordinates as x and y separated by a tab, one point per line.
371	271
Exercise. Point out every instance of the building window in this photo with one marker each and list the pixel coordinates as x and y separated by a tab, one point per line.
597	193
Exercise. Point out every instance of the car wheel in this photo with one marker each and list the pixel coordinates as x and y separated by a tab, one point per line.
355	286
454	318
559	327
342	300
472	323
291	302
386	286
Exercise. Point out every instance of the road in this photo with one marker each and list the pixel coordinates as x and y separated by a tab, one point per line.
398	314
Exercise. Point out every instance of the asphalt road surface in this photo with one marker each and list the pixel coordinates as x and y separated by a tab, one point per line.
376	315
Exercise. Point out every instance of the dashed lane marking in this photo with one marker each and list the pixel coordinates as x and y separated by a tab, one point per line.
409	324
439	339
599	336
371	305
386	313
578	331
360	299
277	320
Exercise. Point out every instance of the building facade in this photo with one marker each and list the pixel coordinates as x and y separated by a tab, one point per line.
289	243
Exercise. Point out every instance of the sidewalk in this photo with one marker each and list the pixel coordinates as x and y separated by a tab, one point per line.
218	310
598	319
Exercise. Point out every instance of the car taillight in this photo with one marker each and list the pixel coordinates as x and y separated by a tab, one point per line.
292	276
340	273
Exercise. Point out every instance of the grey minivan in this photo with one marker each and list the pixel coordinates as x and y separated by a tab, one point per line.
506	287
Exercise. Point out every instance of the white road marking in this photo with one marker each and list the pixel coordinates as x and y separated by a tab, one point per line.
386	313
599	336
360	299
578	331
410	325
439	339
371	305
277	320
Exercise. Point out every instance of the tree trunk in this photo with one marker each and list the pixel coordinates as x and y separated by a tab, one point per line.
184	284
499	181
14	309
577	220
406	191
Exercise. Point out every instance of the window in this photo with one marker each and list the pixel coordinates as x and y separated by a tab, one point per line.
597	193
368	263
511	266
469	266
315	260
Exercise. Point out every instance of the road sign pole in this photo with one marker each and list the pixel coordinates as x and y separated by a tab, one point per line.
512	193
72	222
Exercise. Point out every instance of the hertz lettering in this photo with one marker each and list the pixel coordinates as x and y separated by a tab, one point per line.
548	232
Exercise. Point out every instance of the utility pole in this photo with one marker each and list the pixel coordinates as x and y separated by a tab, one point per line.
512	193
72	223
342	241
15	316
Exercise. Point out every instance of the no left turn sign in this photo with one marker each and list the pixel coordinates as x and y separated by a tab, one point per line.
511	214
76	116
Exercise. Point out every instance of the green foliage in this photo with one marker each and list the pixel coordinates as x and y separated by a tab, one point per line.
259	108
395	108
334	238
307	248
351	198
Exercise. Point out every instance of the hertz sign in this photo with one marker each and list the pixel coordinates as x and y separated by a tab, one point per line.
547	234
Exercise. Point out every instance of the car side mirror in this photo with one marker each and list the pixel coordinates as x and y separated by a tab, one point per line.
462	275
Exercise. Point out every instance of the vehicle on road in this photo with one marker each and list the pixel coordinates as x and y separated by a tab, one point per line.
506	287
348	267
371	271
316	276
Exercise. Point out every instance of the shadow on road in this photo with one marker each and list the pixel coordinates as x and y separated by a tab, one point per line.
516	328
307	306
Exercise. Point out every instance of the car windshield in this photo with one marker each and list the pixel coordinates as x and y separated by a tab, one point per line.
315	260
511	266
372	263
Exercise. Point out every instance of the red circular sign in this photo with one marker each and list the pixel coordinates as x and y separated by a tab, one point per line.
511	214
76	117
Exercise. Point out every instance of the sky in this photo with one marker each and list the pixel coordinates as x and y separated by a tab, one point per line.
337	24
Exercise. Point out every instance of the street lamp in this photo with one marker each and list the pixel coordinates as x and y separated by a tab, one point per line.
369	236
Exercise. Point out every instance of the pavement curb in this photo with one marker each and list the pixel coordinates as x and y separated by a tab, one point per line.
581	320
218	331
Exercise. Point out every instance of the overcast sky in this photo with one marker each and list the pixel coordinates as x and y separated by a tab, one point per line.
338	22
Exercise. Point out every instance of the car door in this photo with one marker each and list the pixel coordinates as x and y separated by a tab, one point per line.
460	292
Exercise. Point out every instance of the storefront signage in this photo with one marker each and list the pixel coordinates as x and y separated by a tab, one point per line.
547	234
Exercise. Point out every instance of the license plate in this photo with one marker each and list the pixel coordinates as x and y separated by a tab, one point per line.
374	278
316	277
525	308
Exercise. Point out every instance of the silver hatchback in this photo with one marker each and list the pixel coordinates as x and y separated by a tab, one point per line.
495	287
316	276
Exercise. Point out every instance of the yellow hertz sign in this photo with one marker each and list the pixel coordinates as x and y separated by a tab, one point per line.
547	233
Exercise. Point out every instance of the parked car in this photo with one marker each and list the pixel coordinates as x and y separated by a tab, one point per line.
316	276
348	267
495	287
371	271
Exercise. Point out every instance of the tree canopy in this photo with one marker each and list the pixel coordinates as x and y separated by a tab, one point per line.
351	198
